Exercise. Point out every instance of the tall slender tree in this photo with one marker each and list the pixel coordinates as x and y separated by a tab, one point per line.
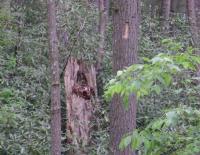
197	11
193	21
193	7
103	6
165	13
103	20
125	46
55	80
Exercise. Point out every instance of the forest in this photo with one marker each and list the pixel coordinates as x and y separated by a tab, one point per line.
99	77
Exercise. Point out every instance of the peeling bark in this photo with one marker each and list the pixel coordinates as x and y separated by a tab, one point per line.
80	88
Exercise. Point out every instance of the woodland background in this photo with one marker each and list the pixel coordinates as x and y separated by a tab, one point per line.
84	29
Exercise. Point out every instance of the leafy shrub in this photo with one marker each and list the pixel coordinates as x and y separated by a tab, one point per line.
177	132
152	76
174	133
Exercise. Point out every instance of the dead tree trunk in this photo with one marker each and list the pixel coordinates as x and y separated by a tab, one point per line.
125	46
55	81
166	7
80	88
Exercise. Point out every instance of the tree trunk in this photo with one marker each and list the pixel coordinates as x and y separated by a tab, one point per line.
55	81
197	10
125	46
192	21
80	88
166	7
103	20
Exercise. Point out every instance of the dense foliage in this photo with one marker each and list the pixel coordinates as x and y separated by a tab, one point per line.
24	73
176	132
154	74
165	78
24	95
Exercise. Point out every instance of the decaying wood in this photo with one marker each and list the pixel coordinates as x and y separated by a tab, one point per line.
80	88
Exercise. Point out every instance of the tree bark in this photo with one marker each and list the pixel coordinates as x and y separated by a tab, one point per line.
197	10
166	7
193	22
103	20
125	47
80	89
55	80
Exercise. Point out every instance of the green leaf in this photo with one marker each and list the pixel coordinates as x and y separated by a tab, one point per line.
136	140
161	80
156	59
172	117
145	59
112	81
135	143
119	73
147	146
167	78
156	88
174	68
6	93
126	101
166	41
125	142
158	124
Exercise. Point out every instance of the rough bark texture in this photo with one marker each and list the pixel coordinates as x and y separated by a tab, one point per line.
55	81
195	25
80	88
178	6
166	7
103	20
197	10
125	46
193	21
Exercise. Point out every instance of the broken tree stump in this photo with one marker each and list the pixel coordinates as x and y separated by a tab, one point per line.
80	89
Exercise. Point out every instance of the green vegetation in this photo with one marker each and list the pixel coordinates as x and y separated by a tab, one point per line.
164	81
177	131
